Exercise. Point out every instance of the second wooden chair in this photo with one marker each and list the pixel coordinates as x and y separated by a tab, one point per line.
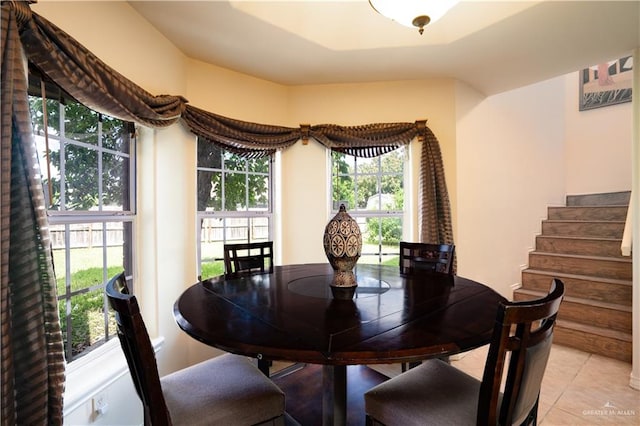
248	258
416	258
426	257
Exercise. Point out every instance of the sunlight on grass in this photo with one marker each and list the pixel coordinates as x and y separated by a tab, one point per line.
83	258
211	269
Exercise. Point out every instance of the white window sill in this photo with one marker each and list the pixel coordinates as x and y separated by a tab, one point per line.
96	371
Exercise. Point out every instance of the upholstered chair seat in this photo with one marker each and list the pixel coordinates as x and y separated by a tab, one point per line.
224	390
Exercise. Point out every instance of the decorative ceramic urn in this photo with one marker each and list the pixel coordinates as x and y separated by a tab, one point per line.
343	245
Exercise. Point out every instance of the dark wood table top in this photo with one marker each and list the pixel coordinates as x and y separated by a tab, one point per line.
291	315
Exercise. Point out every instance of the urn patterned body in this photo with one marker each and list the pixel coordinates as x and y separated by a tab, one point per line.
343	246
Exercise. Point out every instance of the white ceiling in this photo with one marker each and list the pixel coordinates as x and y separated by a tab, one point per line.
493	46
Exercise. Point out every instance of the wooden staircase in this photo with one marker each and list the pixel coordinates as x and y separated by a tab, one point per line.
580	244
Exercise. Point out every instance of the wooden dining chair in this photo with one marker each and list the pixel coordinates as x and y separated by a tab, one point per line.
227	389
426	257
248	258
416	258
437	393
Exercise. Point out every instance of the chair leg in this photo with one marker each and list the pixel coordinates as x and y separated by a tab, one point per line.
263	365
532	418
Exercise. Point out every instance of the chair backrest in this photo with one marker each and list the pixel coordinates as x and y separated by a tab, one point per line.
426	257
248	258
524	331
138	350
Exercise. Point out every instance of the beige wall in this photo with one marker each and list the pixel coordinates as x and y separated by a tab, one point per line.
235	95
510	162
598	154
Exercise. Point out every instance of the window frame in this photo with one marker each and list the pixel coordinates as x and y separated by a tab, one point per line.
357	213
62	219
224	215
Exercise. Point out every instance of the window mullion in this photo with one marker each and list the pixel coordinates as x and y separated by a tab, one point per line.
105	277
63	144
223	184
67	291
100	165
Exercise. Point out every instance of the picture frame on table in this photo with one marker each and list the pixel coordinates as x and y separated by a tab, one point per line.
605	84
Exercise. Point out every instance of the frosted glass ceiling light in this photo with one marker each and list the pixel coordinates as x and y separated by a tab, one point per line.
413	13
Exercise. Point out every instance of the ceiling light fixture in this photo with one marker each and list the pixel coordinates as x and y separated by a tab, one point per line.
413	13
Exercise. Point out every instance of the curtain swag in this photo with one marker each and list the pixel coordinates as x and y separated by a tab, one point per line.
255	140
29	283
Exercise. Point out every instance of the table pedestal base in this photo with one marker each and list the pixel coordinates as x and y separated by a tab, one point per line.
334	395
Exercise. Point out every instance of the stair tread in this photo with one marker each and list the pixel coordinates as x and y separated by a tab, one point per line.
605	332
576	237
577	276
591	206
617	222
581	300
583	256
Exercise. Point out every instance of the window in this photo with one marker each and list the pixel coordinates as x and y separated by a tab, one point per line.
88	174
372	190
234	203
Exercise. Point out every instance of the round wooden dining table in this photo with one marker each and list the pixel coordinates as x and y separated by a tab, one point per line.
290	315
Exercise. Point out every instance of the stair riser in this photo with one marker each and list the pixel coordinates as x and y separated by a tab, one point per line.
583	229
588	247
586	289
617	269
596	316
590	315
587	213
605	346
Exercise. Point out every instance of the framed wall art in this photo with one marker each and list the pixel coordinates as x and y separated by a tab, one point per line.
608	83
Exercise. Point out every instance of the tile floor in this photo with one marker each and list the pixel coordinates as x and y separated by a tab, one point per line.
578	388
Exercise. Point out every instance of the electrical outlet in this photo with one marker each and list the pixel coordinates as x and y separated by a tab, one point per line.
99	405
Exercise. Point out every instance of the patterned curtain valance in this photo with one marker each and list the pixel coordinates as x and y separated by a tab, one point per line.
89	80
255	140
241	137
368	140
